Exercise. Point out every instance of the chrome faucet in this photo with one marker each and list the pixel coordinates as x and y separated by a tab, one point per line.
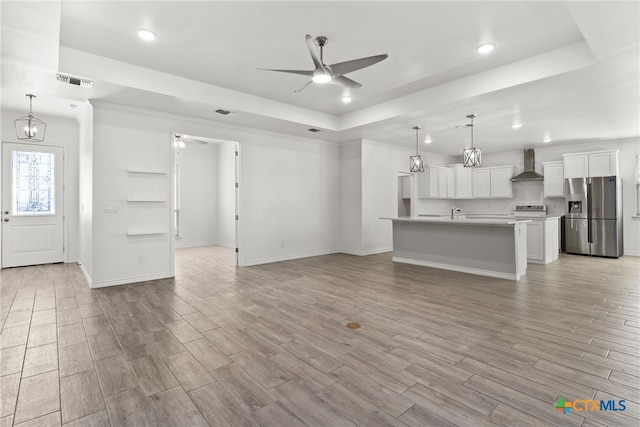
455	210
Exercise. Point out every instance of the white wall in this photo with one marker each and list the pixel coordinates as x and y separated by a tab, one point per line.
289	197
85	190
289	193
351	197
226	231
63	133
122	141
198	195
380	166
369	191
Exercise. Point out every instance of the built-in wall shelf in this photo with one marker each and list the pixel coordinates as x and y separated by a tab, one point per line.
146	171
146	199
144	232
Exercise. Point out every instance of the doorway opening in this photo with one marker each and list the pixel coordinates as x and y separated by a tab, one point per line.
205	193
404	194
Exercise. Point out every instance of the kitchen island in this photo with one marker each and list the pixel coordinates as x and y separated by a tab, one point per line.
488	247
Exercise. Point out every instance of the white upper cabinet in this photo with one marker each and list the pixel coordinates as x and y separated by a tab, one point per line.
481	183
596	163
501	187
461	182
436	182
553	179
603	163
576	165
492	183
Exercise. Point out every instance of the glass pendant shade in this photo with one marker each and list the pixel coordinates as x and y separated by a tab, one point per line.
29	127
472	157
416	164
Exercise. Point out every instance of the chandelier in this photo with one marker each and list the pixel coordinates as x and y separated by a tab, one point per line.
30	127
416	163
471	157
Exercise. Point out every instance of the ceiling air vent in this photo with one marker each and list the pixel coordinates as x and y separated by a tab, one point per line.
74	80
314	130
223	112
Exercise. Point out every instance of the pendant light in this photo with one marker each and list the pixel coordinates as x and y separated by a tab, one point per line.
471	157
416	162
30	127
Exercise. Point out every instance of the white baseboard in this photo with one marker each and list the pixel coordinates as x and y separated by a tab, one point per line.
85	273
365	253
128	280
71	261
285	258
180	245
459	268
226	245
632	253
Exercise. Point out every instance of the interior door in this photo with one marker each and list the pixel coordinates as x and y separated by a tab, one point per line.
32	204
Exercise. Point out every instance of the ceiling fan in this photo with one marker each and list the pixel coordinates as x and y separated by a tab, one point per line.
333	74
180	139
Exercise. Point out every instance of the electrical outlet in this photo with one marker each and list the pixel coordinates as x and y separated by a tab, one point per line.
140	259
110	209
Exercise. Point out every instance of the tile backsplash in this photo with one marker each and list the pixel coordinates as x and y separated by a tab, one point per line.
523	192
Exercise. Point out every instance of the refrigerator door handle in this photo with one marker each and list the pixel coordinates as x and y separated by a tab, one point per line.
589	212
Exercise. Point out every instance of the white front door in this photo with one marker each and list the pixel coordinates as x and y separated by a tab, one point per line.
32	204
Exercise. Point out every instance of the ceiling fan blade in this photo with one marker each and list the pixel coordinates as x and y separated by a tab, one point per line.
301	72
356	64
302	88
311	45
345	82
194	140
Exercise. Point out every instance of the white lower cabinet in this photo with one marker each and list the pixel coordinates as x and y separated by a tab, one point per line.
542	240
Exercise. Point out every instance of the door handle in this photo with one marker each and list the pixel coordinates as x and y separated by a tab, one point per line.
6	220
6	212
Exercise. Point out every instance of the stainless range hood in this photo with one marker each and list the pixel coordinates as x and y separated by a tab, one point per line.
529	173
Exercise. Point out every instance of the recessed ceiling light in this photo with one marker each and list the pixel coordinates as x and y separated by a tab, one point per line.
346	99
146	35
516	125
485	47
428	140
546	139
73	105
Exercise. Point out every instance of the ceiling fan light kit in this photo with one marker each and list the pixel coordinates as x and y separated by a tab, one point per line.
334	73
471	157
416	163
29	127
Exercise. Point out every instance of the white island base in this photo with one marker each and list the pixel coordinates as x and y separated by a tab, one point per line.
489	247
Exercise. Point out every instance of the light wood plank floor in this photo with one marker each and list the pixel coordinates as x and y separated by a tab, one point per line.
267	345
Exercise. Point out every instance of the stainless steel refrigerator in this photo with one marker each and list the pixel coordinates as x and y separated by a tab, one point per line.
593	221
